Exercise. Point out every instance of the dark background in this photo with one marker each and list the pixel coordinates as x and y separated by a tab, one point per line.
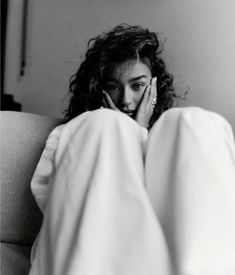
3	38
7	101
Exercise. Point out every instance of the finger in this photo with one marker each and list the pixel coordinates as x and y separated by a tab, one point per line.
153	93
109	101
155	88
104	103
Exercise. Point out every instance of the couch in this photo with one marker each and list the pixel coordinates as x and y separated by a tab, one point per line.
23	138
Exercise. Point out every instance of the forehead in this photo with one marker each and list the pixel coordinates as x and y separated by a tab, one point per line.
129	69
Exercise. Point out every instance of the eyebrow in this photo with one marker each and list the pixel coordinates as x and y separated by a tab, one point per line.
138	77
131	80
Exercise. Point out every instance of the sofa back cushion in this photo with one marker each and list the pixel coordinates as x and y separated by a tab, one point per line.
23	138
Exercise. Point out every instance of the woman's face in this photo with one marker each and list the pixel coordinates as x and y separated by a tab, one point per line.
126	84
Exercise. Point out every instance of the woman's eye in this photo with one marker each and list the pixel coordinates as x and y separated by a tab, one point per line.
138	86
111	88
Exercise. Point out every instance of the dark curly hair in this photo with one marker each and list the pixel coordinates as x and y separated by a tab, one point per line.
120	44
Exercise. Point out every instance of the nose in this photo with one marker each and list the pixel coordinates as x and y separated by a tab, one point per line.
127	97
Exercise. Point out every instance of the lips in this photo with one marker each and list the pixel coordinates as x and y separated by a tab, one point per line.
129	112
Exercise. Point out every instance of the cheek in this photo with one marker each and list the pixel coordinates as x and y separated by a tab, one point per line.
115	96
138	97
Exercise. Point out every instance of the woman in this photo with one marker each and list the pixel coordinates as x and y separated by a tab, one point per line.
119	199
109	55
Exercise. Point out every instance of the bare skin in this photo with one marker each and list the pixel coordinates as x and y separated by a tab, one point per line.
131	89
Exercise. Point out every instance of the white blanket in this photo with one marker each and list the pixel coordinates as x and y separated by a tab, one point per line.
117	201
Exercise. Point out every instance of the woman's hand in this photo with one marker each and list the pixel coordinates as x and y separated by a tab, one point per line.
108	103
147	104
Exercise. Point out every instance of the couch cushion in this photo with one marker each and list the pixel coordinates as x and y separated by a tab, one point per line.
22	140
14	259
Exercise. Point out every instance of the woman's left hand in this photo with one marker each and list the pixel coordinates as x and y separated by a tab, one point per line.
147	104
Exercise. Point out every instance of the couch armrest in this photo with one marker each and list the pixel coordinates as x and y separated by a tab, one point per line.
15	259
23	138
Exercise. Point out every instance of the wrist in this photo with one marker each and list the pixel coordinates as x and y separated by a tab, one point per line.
142	123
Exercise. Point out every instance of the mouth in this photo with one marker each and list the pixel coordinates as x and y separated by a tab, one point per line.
130	113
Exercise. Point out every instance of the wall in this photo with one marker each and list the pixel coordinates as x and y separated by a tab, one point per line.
200	47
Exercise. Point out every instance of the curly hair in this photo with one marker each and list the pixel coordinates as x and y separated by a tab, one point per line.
120	44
